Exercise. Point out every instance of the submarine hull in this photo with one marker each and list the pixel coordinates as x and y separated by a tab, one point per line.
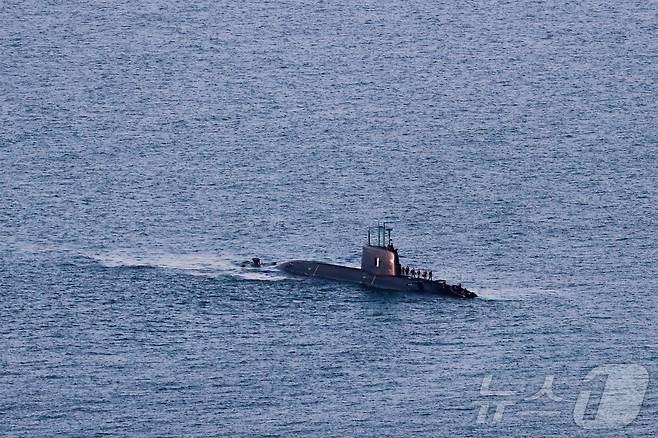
359	276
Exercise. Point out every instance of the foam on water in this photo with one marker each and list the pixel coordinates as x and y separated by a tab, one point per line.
200	264
512	294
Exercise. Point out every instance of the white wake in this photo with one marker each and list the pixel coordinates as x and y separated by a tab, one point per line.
201	264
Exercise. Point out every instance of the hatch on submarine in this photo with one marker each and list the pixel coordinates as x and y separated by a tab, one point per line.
380	269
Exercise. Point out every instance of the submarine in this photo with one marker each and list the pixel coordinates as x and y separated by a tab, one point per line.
380	269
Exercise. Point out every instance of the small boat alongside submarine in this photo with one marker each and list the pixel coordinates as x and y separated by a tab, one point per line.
380	268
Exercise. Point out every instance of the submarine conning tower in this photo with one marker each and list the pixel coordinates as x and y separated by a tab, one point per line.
380	258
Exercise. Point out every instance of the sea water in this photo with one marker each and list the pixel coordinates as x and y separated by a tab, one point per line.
147	149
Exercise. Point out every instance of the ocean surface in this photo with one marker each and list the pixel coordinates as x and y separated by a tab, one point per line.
148	148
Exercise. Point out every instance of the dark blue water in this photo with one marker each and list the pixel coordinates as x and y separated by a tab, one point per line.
147	148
